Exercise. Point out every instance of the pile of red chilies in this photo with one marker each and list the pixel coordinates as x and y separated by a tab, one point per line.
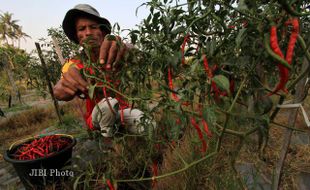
42	147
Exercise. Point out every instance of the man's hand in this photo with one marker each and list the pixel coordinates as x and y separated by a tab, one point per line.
68	86
112	50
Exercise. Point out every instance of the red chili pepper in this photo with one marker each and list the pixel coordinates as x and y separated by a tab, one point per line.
245	23
174	96
173	143
186	38
110	185
38	153
40	147
274	41
206	128
209	72
155	173
178	121
216	90
282	69
284	72
232	86
197	48
206	66
292	40
104	89
79	65
200	135
122	115
157	146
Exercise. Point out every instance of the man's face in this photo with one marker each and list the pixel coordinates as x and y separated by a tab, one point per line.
88	31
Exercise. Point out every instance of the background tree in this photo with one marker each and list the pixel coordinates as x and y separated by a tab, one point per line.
11	31
8	28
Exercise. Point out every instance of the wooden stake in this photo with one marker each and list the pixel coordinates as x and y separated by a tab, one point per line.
48	82
58	51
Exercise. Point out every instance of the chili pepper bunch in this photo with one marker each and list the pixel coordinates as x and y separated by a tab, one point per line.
176	98
284	72
94	73
42	147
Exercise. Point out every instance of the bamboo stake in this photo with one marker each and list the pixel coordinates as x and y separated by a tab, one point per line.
58	51
300	90
48	82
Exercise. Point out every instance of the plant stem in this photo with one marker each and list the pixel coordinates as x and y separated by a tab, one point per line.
170	173
218	145
277	109
233	163
229	131
303	45
292	128
286	5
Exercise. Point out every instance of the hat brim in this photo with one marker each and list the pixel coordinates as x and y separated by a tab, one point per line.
68	23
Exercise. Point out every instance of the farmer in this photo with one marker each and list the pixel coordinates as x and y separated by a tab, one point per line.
84	26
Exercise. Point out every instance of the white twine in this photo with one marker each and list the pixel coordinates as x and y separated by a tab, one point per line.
298	105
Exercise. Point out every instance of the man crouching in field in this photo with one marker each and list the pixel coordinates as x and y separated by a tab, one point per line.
84	26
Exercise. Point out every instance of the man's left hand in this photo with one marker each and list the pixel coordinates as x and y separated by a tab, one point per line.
112	50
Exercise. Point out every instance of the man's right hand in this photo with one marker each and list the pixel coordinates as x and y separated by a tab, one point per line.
70	83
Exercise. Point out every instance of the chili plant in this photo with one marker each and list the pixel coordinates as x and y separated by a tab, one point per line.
210	66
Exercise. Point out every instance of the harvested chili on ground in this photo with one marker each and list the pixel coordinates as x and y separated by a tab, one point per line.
42	147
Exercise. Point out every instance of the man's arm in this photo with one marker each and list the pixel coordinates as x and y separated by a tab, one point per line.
70	83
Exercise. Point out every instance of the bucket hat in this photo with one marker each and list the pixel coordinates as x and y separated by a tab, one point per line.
88	11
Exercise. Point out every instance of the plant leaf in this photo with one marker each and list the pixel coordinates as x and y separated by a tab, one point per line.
240	37
91	90
222	82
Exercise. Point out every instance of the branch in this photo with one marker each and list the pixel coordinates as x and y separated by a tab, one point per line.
170	173
288	8
307	70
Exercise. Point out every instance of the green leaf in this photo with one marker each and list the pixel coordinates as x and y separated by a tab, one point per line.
209	114
242	5
77	181
240	37
155	18
222	82
178	30
213	44
194	66
91	91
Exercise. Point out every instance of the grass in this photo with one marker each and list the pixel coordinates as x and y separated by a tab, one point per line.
16	108
218	172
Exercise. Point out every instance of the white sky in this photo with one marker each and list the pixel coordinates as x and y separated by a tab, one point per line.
36	16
